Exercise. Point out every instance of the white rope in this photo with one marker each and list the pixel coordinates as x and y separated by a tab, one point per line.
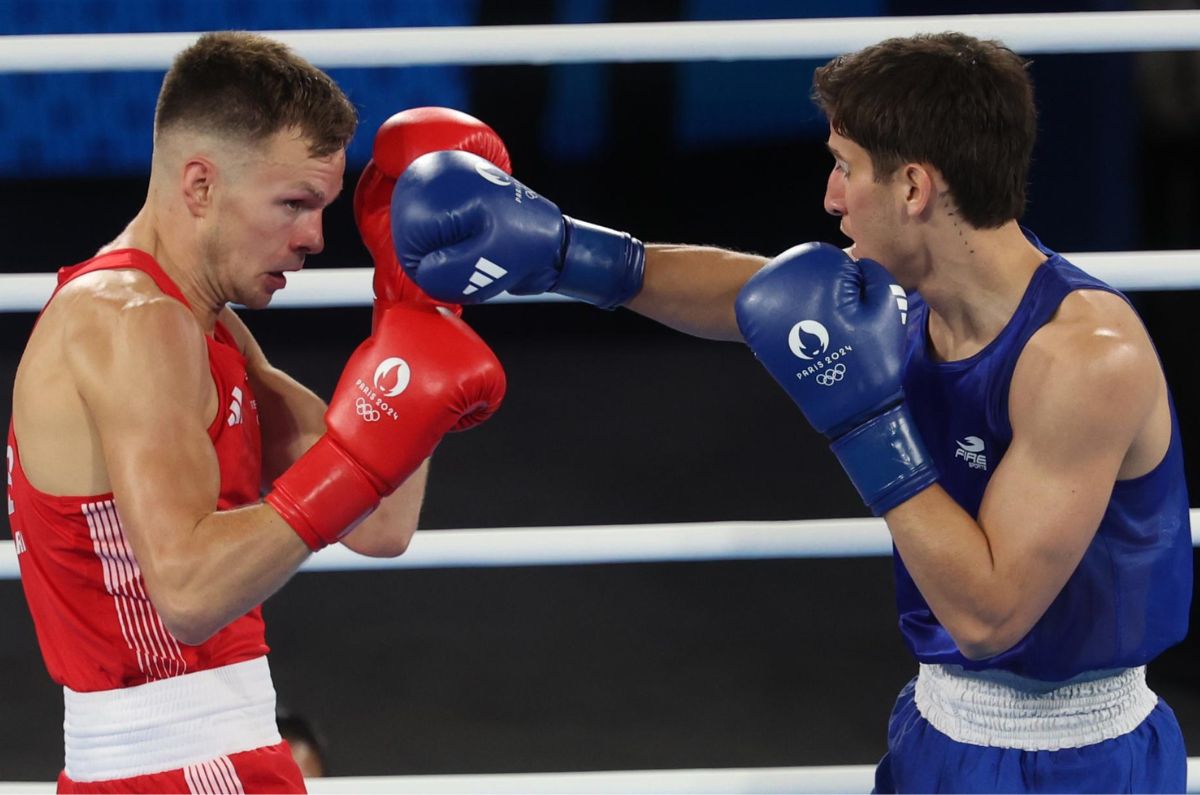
815	779
325	287
1143	270
826	778
596	544
579	545
315	287
841	778
1122	31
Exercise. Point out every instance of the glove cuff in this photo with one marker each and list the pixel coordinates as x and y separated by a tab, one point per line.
324	495
886	459
600	265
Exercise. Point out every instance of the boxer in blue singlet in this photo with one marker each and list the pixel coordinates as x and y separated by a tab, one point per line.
1003	411
1066	707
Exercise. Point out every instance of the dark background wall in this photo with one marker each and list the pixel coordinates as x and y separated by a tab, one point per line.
608	419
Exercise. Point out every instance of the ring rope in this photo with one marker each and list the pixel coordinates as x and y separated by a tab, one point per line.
598	544
811	779
1105	31
326	287
833	778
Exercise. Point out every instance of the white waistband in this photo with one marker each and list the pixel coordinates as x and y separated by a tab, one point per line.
170	723
977	709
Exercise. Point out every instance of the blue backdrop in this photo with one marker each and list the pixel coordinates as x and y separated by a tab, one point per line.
99	123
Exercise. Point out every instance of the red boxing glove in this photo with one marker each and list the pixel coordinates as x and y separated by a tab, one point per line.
423	373
402	139
418	131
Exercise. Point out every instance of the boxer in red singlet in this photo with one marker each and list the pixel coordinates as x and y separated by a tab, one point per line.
147	423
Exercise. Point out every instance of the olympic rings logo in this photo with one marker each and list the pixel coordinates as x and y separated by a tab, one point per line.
832	375
366	411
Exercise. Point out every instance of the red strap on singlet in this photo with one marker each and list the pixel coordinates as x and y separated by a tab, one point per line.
124	258
135	259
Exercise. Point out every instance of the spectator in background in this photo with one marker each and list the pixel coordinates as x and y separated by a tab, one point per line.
305	743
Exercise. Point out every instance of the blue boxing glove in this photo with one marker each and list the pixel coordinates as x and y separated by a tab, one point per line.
831	332
464	231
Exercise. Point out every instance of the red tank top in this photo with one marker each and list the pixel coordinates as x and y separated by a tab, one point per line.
95	623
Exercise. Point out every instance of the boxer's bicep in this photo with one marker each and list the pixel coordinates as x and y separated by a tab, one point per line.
142	371
1073	425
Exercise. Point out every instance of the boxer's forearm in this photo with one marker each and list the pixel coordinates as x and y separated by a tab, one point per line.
692	288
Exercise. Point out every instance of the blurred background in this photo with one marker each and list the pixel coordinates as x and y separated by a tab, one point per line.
609	418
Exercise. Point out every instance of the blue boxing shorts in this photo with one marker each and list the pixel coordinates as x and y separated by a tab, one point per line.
954	731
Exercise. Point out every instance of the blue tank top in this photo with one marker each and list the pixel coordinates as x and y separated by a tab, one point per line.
1129	598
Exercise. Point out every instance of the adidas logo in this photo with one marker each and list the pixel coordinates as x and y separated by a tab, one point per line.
485	273
901	302
235	408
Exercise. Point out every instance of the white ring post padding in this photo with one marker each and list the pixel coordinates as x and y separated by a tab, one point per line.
1112	31
601	544
325	287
